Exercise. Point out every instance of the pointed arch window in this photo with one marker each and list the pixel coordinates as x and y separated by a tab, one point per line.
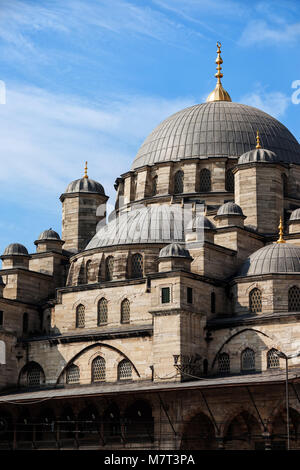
255	301
284	185
73	374
294	299
178	182
25	322
248	359
213	302
125	311
137	267
102	312
124	370
109	268
229	181
224	363
205	181
272	359
34	375
80	316
98	369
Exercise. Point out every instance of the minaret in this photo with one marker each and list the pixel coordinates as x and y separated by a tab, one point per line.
218	94
83	206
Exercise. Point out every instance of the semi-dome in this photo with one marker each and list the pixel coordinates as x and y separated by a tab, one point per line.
258	155
230	208
200	222
49	235
15	249
174	250
295	215
85	185
218	128
273	258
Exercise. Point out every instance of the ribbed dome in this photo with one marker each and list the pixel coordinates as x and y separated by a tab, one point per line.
174	250
153	224
15	249
274	258
200	222
49	235
295	215
85	185
230	208
216	129
258	155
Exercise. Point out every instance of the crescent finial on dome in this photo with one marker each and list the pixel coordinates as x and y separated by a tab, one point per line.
218	94
85	171
258	146
280	226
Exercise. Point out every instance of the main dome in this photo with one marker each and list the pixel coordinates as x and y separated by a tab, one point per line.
214	129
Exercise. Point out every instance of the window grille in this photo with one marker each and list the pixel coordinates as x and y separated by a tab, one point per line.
205	181
294	299
224	363
213	302
229	181
98	369
178	182
25	323
248	359
154	186
125	311
165	295
80	316
102	312
137	266
284	185
189	295
73	374
124	370
34	376
109	268
255	304
272	359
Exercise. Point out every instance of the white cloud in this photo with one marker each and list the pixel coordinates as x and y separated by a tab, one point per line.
274	103
259	31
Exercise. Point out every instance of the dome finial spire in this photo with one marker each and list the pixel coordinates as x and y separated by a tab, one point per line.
218	94
85	171
280	226
258	146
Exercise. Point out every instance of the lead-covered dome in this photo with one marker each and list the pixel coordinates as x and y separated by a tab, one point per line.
85	185
295	215
15	249
49	235
215	129
230	208
274	258
174	250
258	155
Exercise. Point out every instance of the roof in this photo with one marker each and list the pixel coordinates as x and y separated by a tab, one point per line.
85	185
15	249
176	250
230	208
295	215
273	258
258	155
215	129
49	235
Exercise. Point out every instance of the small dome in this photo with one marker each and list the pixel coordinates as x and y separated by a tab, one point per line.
295	215
15	249
49	235
230	208
273	258
200	222
258	155
175	250
85	185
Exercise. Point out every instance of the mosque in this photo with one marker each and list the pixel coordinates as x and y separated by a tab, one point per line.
171	323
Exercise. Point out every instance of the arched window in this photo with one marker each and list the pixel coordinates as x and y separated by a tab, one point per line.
154	186
2	353
25	323
125	311
137	266
178	182
35	375
73	374
284	185
213	302
205	181
248	359
124	370
255	305
229	181
138	422
109	268
80	316
102	312
294	299
272	359
89	274
224	363
111	424
98	369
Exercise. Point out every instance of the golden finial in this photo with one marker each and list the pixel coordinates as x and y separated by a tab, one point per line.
218	94
258	146
280	226
85	171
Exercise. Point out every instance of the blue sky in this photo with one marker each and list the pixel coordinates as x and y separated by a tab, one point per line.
89	79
